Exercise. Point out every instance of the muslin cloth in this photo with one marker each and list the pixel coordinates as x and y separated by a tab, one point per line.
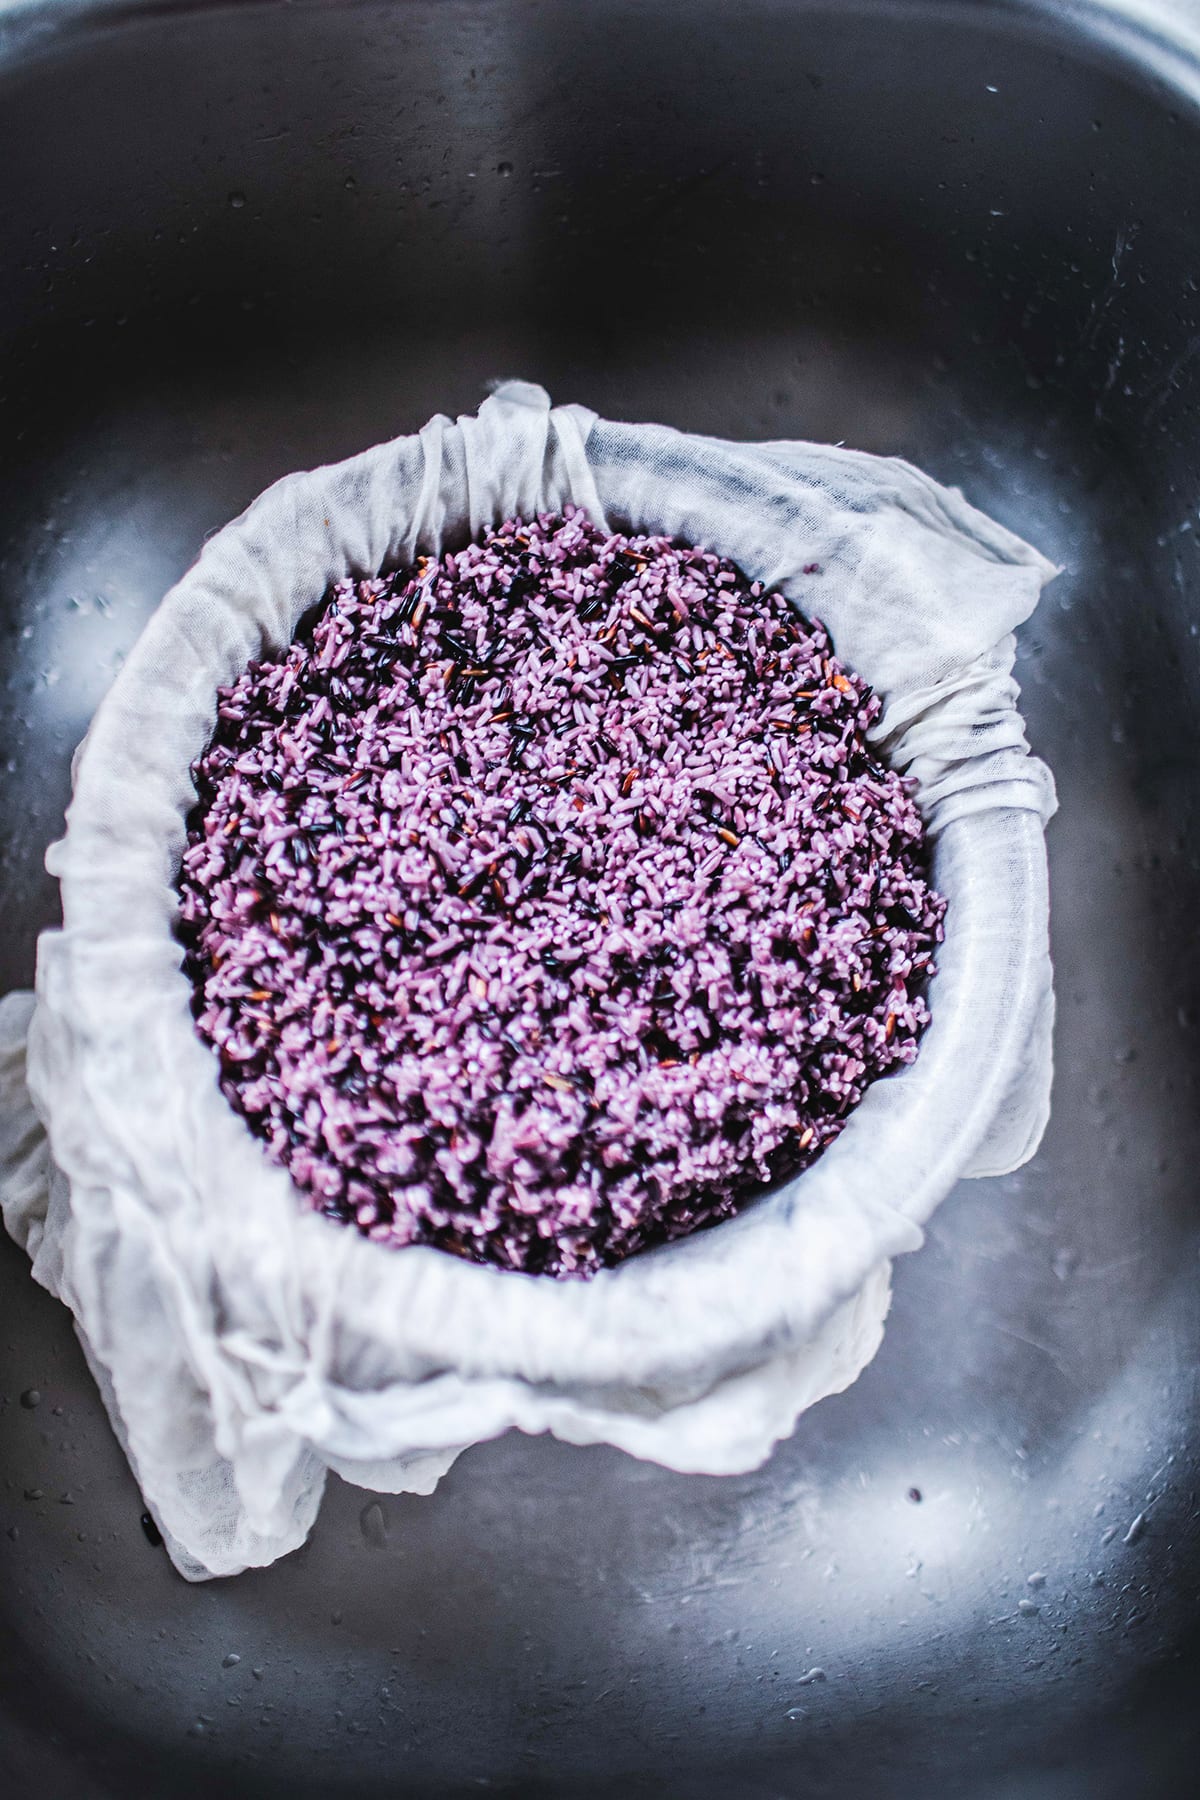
243	1344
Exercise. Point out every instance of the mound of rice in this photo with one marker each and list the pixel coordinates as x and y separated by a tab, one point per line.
545	902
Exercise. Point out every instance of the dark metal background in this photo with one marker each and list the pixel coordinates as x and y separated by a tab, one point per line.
237	240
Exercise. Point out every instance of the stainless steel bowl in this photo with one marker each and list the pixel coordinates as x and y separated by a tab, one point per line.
241	239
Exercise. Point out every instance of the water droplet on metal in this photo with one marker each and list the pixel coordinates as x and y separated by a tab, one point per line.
504	168
31	1398
237	201
231	1661
374	1526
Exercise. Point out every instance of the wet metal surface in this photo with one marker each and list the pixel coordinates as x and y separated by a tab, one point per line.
237	241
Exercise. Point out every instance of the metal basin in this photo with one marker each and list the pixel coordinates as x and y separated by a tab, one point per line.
237	240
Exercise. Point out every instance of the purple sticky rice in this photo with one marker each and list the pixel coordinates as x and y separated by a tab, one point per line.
545	902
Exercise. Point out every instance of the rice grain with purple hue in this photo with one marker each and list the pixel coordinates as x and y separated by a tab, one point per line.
546	901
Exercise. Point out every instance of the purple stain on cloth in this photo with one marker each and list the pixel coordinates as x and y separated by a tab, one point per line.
545	902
